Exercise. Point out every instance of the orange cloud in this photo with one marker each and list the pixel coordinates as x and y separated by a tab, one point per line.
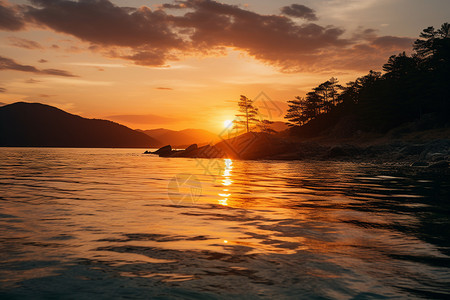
24	43
10	64
204	27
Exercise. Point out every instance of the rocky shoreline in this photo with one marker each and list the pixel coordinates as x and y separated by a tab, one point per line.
430	154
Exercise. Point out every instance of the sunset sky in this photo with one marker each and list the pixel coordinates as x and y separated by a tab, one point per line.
183	64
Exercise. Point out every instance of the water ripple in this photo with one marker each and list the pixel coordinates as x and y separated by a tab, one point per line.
98	223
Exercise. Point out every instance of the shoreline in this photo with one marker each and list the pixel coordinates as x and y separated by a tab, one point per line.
425	149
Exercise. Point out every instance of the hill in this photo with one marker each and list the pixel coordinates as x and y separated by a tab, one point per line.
183	137
279	126
39	125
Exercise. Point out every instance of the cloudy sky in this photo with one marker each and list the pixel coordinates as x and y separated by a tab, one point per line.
183	64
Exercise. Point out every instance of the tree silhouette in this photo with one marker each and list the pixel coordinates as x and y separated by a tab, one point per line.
431	41
320	100
248	116
400	66
296	112
410	88
350	94
328	92
265	126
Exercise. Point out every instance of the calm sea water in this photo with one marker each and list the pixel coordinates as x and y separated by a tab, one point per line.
114	223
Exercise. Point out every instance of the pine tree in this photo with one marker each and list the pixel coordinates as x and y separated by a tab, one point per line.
265	126
296	112
248	114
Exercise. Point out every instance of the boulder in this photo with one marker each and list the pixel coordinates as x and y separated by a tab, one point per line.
164	151
253	145
188	152
191	148
208	151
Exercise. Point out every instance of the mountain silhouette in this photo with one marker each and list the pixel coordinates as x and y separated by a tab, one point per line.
182	138
278	126
39	125
186	137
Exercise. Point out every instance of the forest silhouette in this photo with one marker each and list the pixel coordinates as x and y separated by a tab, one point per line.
412	87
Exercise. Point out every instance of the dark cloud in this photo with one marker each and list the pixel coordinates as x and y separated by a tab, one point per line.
392	42
10	17
141	119
24	43
364	34
362	56
299	11
164	88
42	61
206	27
102	22
274	39
10	64
2	90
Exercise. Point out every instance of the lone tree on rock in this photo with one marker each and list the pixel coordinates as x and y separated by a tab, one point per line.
248	114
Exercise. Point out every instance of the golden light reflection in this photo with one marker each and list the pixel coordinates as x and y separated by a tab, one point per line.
226	182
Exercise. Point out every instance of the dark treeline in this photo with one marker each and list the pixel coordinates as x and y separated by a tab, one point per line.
411	88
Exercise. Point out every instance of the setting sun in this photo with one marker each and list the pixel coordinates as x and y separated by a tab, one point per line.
227	123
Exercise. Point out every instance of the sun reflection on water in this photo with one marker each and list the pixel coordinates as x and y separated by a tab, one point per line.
226	182
73	224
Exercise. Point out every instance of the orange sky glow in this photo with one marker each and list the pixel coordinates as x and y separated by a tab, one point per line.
184	64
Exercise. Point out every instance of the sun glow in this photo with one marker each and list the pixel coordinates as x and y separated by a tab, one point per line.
227	123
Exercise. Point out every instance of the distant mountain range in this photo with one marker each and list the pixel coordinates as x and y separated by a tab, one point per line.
279	126
39	125
186	137
183	137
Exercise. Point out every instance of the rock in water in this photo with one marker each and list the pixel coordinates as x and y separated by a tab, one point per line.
164	151
191	148
188	152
